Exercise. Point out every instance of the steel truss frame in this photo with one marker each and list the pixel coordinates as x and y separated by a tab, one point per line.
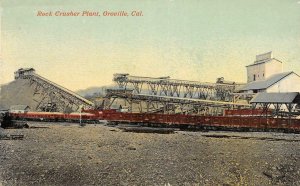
54	96
169	104
277	107
176	88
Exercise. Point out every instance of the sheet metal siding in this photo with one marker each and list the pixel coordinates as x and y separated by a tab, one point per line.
264	97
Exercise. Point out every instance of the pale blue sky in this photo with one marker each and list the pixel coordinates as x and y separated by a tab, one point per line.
195	39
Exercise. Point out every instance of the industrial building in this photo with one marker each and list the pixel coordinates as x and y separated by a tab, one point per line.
266	75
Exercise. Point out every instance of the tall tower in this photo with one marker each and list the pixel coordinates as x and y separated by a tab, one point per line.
263	67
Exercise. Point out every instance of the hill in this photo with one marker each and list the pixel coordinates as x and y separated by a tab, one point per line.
18	92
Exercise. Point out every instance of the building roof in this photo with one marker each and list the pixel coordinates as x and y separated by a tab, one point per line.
263	97
19	107
26	69
263	84
263	56
263	61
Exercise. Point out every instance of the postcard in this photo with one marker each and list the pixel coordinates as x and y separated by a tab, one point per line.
164	92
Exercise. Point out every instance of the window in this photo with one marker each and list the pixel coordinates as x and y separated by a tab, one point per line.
254	77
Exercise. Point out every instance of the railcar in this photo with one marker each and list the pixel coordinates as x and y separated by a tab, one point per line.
248	112
244	120
85	117
226	122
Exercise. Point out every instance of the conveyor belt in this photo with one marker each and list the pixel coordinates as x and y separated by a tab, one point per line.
53	97
63	89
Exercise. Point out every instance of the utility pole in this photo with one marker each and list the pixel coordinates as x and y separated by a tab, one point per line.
80	118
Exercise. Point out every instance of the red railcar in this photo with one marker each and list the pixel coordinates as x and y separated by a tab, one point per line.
57	116
247	112
227	122
43	116
213	122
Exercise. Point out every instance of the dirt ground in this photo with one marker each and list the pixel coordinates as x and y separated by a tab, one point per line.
66	154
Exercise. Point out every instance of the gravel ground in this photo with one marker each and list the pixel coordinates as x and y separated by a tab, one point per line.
66	154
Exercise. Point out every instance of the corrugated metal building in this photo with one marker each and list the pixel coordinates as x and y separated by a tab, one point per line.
263	67
266	75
